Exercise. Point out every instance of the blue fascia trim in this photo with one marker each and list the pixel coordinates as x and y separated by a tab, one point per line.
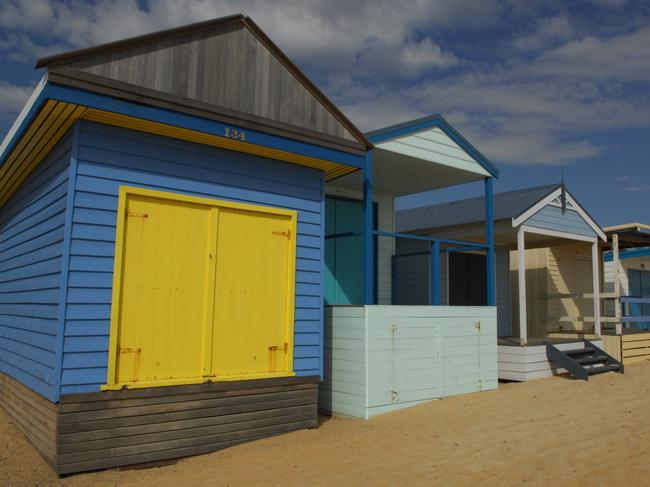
36	107
425	123
368	232
168	117
627	254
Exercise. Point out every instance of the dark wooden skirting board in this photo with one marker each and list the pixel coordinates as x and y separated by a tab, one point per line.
117	428
32	414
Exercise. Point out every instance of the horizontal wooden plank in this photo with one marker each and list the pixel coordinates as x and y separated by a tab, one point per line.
177	443
146	410
177	398
186	389
183	414
141	429
32	414
185	451
166	431
145	439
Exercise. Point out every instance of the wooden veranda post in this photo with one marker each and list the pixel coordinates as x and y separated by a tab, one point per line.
435	273
595	265
616	262
368	232
489	240
521	271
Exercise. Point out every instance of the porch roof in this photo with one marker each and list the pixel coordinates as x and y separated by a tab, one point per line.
537	210
472	210
421	155
630	235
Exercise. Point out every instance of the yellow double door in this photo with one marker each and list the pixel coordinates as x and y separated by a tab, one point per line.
203	289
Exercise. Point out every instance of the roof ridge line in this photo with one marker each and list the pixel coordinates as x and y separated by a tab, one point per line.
473	198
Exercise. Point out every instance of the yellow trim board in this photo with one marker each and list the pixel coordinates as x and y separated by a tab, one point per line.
202	380
55	118
208	372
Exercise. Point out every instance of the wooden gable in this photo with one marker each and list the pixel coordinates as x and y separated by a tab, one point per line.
227	67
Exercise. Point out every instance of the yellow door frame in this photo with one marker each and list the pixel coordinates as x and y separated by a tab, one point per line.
215	204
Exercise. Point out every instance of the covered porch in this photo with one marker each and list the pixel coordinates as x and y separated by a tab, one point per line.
626	296
547	275
380	356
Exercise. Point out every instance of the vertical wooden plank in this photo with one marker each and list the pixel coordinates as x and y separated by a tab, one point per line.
595	265
521	272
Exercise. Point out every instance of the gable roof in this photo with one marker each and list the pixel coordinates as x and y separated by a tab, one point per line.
430	134
225	69
507	205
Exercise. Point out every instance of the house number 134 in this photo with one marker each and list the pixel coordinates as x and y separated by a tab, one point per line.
235	134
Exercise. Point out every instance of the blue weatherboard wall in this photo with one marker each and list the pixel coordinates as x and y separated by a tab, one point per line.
109	157
552	218
31	256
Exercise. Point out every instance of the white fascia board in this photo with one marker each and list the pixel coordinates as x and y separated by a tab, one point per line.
555	233
535	208
594	226
23	114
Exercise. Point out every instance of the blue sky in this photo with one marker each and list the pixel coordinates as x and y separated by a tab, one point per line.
540	87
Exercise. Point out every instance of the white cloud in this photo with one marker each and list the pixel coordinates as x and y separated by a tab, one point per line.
549	30
637	189
539	100
330	33
621	57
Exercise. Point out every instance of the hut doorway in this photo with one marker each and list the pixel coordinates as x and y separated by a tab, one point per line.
205	289
467	279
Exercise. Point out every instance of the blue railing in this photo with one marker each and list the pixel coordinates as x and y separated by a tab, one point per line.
435	250
628	300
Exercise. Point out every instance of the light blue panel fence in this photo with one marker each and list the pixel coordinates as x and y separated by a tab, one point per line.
344	373
410	354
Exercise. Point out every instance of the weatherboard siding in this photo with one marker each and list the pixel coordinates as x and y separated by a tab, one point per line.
384	358
31	253
109	157
552	218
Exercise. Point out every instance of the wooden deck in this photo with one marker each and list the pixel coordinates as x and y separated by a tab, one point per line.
632	346
523	363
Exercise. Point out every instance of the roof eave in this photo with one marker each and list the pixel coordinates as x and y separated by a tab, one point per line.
436	120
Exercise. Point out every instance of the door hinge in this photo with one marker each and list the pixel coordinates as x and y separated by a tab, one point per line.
477	325
284	234
136	215
128	350
279	348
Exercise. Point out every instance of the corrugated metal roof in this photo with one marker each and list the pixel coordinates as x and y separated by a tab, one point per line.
506	205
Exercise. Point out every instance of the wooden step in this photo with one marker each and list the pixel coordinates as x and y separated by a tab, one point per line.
579	351
591	360
604	368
